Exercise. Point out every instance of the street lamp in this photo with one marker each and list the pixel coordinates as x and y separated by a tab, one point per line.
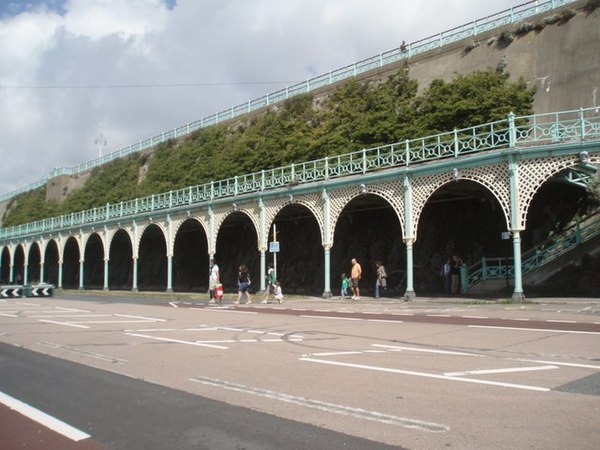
100	142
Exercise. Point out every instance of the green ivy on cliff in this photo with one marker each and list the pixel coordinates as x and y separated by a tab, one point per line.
355	115
30	206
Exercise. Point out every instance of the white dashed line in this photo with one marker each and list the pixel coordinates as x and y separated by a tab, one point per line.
325	406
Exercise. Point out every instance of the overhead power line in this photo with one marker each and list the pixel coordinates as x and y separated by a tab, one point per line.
157	85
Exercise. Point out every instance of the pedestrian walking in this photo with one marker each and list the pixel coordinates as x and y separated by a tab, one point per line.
244	282
355	276
214	279
344	287
278	292
271	279
381	281
455	274
446	276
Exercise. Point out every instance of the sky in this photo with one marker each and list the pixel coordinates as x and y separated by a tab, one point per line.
77	72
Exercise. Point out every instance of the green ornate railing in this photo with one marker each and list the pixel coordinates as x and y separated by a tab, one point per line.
404	51
553	128
501	268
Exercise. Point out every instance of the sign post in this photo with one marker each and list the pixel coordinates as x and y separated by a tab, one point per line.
274	248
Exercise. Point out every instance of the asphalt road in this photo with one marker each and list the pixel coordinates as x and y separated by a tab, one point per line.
305	374
124	413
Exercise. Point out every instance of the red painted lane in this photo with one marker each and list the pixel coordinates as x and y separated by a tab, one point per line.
18	431
432	319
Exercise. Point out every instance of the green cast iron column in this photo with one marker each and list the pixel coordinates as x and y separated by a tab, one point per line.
134	286
169	273
169	239
134	256
408	239
42	272
60	274
26	270
81	274
513	171
262	239
518	294
106	255
326	245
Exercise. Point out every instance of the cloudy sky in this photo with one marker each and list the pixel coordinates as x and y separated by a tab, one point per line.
72	70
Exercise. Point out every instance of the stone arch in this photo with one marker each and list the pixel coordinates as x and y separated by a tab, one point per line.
72	256
273	206
19	263
233	246
152	260
183	220
120	268
496	181
300	262
190	256
390	191
222	215
93	261
533	173
142	230
5	264
86	238
33	262
51	261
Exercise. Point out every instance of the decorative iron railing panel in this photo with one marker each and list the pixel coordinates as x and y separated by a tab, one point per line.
496	268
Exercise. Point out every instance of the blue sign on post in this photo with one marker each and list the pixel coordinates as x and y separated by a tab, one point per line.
274	247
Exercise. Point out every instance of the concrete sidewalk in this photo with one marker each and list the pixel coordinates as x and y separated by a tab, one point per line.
312	301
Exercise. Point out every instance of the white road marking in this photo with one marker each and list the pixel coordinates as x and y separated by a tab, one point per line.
146	330
384	321
438	315
109	321
427	375
112	359
42	418
174	305
330	317
425	350
325	406
561	321
58	316
534	329
151	319
517	318
490	371
178	341
230	311
475	317
335	353
66	324
64	308
584	366
8	315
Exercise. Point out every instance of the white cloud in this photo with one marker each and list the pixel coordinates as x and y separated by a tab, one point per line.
143	42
